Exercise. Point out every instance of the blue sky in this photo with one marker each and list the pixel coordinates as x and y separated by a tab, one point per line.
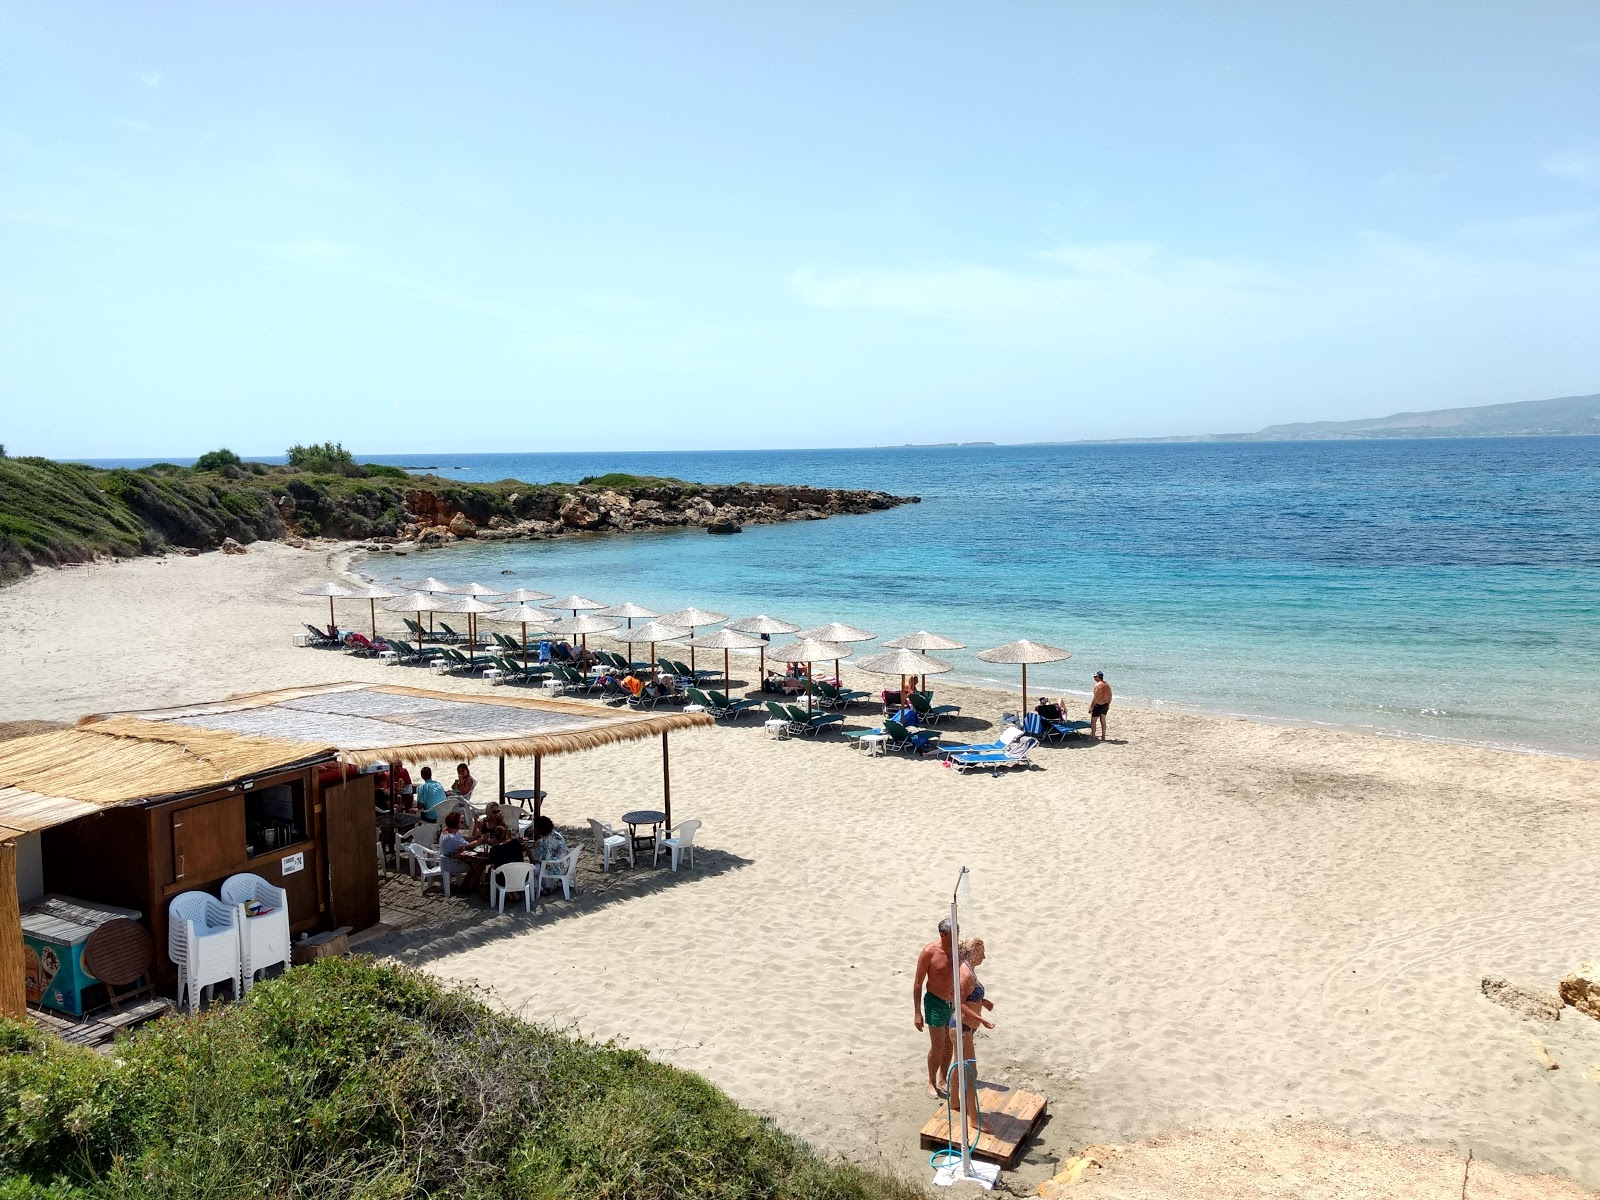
631	226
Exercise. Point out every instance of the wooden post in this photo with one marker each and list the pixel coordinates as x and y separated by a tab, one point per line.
13	993
538	761
502	780
666	781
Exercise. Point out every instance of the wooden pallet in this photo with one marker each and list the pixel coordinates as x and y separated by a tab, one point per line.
100	1029
1010	1114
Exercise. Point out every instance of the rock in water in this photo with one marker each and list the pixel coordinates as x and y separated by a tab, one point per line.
724	527
1581	989
1541	1006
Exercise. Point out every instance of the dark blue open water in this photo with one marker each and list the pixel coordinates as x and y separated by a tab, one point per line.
1445	588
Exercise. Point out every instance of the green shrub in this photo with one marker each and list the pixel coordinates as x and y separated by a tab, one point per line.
329	458
215	460
352	1079
384	471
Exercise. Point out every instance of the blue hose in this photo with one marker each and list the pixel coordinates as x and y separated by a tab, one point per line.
950	1155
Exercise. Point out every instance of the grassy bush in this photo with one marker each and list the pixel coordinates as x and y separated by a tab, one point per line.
350	1079
622	481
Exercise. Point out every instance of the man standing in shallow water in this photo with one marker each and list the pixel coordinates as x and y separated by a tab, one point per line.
1099	704
933	1008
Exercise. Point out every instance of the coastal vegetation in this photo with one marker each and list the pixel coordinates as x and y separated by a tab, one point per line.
348	1078
54	513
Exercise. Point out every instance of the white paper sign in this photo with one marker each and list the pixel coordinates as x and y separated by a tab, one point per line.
292	863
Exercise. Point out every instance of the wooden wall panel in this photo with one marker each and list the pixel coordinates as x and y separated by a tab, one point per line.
13	993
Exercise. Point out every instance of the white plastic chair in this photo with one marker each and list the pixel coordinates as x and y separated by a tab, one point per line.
429	866
512	877
607	839
563	871
203	940
264	940
680	838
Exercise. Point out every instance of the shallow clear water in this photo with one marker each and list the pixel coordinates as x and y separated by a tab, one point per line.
1442	588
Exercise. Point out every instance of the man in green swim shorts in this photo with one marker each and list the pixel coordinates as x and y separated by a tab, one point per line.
933	1008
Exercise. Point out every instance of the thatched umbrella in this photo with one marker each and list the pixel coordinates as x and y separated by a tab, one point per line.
808	651
472	607
629	610
433	586
422	602
332	591
765	625
726	640
372	593
902	662
1024	652
924	641
582	627
691	619
836	631
526	615
525	596
573	604
481	590
652	632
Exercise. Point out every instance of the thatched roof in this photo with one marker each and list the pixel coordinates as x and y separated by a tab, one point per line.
51	778
374	723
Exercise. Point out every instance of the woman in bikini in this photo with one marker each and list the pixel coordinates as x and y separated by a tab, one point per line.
973	1006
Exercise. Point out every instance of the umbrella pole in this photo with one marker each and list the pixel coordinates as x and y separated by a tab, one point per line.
332	628
502	780
538	761
808	689
1024	689
666	781
691	650
725	688
524	643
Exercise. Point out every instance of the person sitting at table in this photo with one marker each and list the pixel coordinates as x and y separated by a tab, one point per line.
505	847
465	783
452	842
400	786
431	796
493	818
550	847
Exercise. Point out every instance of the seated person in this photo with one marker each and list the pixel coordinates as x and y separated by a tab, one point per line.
562	652
505	847
666	685
451	843
465	784
550	848
431	796
493	818
632	684
585	658
1049	710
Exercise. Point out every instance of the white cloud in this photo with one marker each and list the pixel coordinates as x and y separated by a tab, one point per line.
150	79
1581	163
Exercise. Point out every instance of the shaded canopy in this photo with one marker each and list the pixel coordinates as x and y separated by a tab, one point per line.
582	626
901	661
478	589
652	631
726	639
525	596
835	631
524	614
422	602
694	616
627	610
809	650
430	584
1024	652
923	640
574	604
761	623
335	590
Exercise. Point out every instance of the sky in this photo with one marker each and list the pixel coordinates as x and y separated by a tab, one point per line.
547	226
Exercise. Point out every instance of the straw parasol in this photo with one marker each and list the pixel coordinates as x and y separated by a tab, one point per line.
472	607
421	602
372	593
924	641
808	651
526	615
627	609
481	590
836	631
652	632
573	603
1023	653
726	640
582	627
902	662
692	618
525	596
762	624
332	591
430	584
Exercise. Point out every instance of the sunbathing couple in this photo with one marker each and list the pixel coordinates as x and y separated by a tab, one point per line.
935	1010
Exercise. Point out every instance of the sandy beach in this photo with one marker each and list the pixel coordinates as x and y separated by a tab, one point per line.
1200	925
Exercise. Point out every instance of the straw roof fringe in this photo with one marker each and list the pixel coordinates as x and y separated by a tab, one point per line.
608	726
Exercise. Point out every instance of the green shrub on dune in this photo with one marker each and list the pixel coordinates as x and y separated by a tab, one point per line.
352	1079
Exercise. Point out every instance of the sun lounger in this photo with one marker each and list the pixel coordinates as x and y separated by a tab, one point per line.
403	649
930	712
1007	735
813	724
723	705
319	637
902	738
995	761
359	645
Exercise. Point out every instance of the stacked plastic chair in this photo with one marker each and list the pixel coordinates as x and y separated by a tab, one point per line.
264	939
203	940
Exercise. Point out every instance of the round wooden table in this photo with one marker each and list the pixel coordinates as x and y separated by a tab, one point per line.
644	816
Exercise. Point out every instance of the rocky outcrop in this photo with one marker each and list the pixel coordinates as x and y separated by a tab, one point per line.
1581	989
440	516
1541	1006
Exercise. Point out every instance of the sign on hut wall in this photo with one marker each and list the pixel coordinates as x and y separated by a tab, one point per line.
292	863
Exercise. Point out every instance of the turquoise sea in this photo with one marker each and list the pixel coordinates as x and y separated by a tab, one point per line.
1438	588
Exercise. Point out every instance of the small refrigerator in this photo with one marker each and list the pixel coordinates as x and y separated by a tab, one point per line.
54	929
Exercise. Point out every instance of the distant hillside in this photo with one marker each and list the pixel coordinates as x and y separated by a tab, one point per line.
1566	415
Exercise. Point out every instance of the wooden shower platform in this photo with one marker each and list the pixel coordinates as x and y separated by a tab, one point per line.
1011	1114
